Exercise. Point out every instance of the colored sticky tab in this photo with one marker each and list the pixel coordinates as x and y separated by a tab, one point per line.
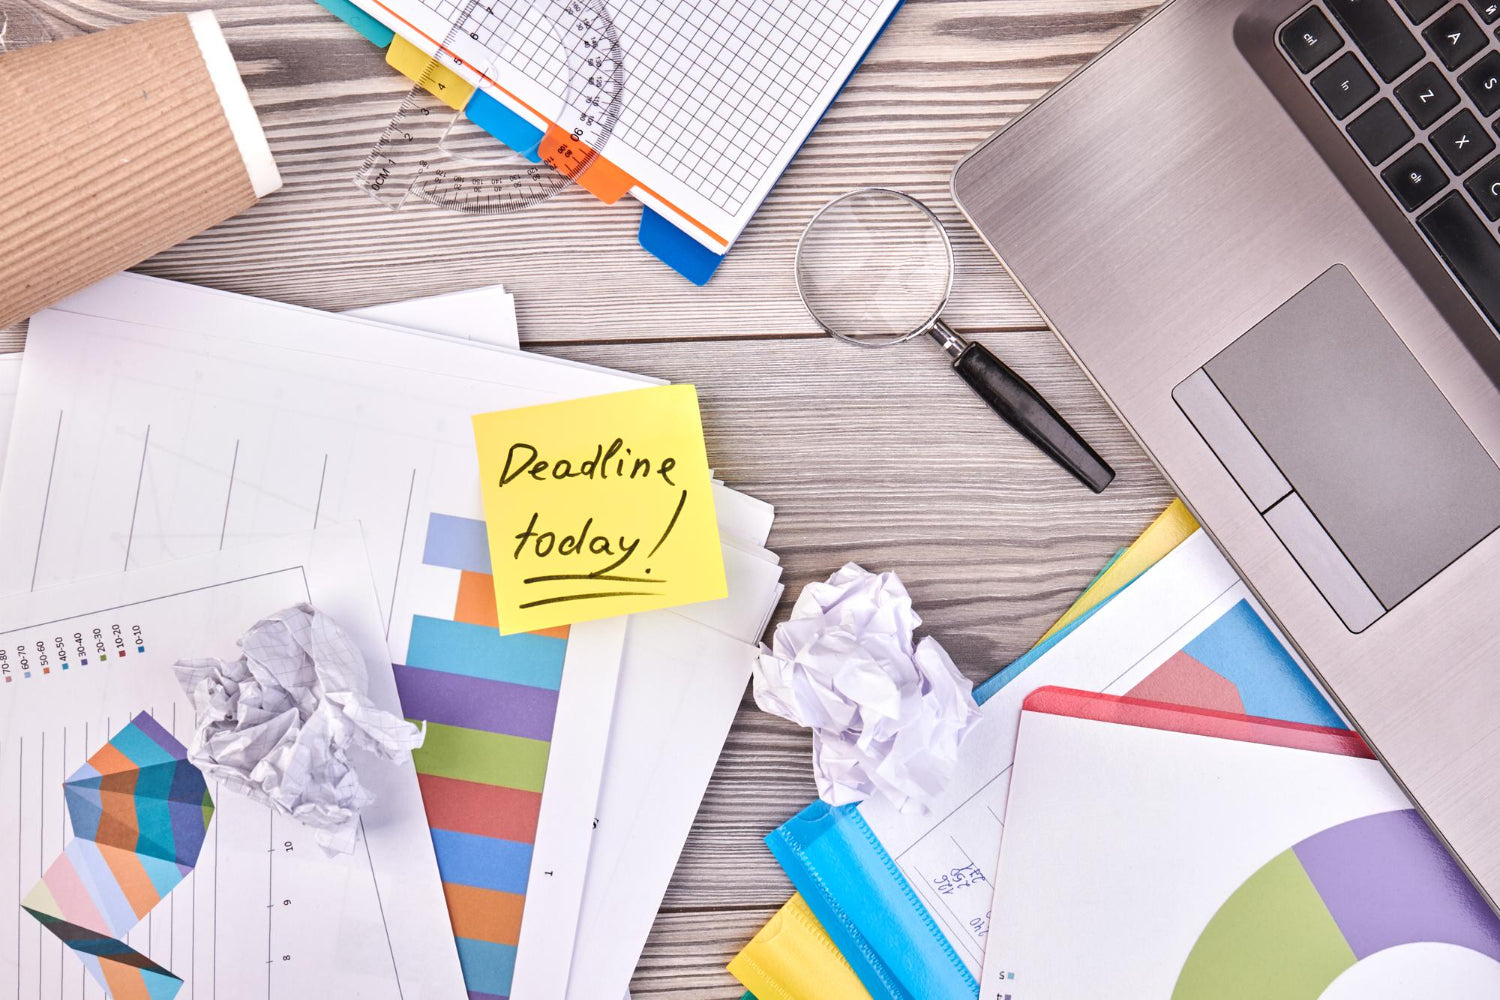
441	82
677	249
793	957
504	124
580	164
598	507
361	22
1170	529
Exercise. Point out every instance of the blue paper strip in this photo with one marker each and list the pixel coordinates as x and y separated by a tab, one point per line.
482	862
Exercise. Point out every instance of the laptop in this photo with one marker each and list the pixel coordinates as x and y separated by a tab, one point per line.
1269	231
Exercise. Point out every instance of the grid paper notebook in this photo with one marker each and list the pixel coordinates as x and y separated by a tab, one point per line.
719	94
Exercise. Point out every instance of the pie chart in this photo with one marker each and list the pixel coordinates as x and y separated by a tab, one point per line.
1379	890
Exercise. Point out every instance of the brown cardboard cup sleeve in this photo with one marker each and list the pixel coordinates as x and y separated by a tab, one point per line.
120	144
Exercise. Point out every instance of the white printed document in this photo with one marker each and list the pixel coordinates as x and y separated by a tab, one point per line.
264	913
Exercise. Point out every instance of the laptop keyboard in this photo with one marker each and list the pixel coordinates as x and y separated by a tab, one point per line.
1415	84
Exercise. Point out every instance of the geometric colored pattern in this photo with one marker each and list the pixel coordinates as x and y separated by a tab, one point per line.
1332	900
489	702
140	811
1237	665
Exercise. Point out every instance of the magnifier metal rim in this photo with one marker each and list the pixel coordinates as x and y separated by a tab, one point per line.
937	224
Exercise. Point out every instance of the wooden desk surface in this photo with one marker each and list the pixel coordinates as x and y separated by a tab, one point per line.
882	458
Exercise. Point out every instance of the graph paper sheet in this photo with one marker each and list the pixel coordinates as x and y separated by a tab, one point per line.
719	94
264	913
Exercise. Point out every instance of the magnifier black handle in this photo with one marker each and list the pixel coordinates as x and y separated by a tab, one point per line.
1023	408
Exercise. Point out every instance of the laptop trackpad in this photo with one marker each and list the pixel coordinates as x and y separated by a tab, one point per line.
1344	443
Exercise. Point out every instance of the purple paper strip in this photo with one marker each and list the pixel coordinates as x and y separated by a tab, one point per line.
1387	881
473	703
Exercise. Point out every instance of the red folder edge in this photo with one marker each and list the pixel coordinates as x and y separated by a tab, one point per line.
1194	721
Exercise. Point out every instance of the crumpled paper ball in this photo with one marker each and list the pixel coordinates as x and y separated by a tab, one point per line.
278	723
887	716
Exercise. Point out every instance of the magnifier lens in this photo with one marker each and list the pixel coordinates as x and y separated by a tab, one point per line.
874	268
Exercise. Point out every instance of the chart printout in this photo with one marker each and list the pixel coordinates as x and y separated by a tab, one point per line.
948	855
221	420
265	912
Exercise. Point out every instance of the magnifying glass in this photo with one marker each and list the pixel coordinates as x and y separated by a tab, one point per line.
875	269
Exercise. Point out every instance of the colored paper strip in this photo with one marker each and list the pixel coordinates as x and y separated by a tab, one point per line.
476	600
483	810
482	862
484	914
486	758
471	703
457	543
488	968
475	651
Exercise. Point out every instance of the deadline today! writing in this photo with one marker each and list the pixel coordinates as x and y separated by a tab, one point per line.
585	524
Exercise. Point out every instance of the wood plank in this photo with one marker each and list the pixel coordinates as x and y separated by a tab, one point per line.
943	77
883	458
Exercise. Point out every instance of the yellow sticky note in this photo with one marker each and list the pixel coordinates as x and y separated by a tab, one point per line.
598	507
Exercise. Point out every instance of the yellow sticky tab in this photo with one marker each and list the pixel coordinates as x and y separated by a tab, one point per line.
598	507
793	958
442	83
1168	531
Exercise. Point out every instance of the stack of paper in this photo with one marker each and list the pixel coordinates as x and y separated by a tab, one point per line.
165	420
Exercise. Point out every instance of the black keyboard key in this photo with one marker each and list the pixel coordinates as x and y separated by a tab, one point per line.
1380	32
1427	96
1345	86
1482	81
1485	187
1463	141
1415	178
1488	10
1466	243
1455	37
1421	10
1310	40
1380	132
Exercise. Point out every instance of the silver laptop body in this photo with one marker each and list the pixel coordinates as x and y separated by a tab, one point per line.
1296	316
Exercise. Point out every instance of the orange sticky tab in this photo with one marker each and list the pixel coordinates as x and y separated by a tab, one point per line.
580	164
441	82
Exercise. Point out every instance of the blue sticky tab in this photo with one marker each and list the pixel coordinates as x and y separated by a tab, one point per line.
505	125
677	249
377	33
